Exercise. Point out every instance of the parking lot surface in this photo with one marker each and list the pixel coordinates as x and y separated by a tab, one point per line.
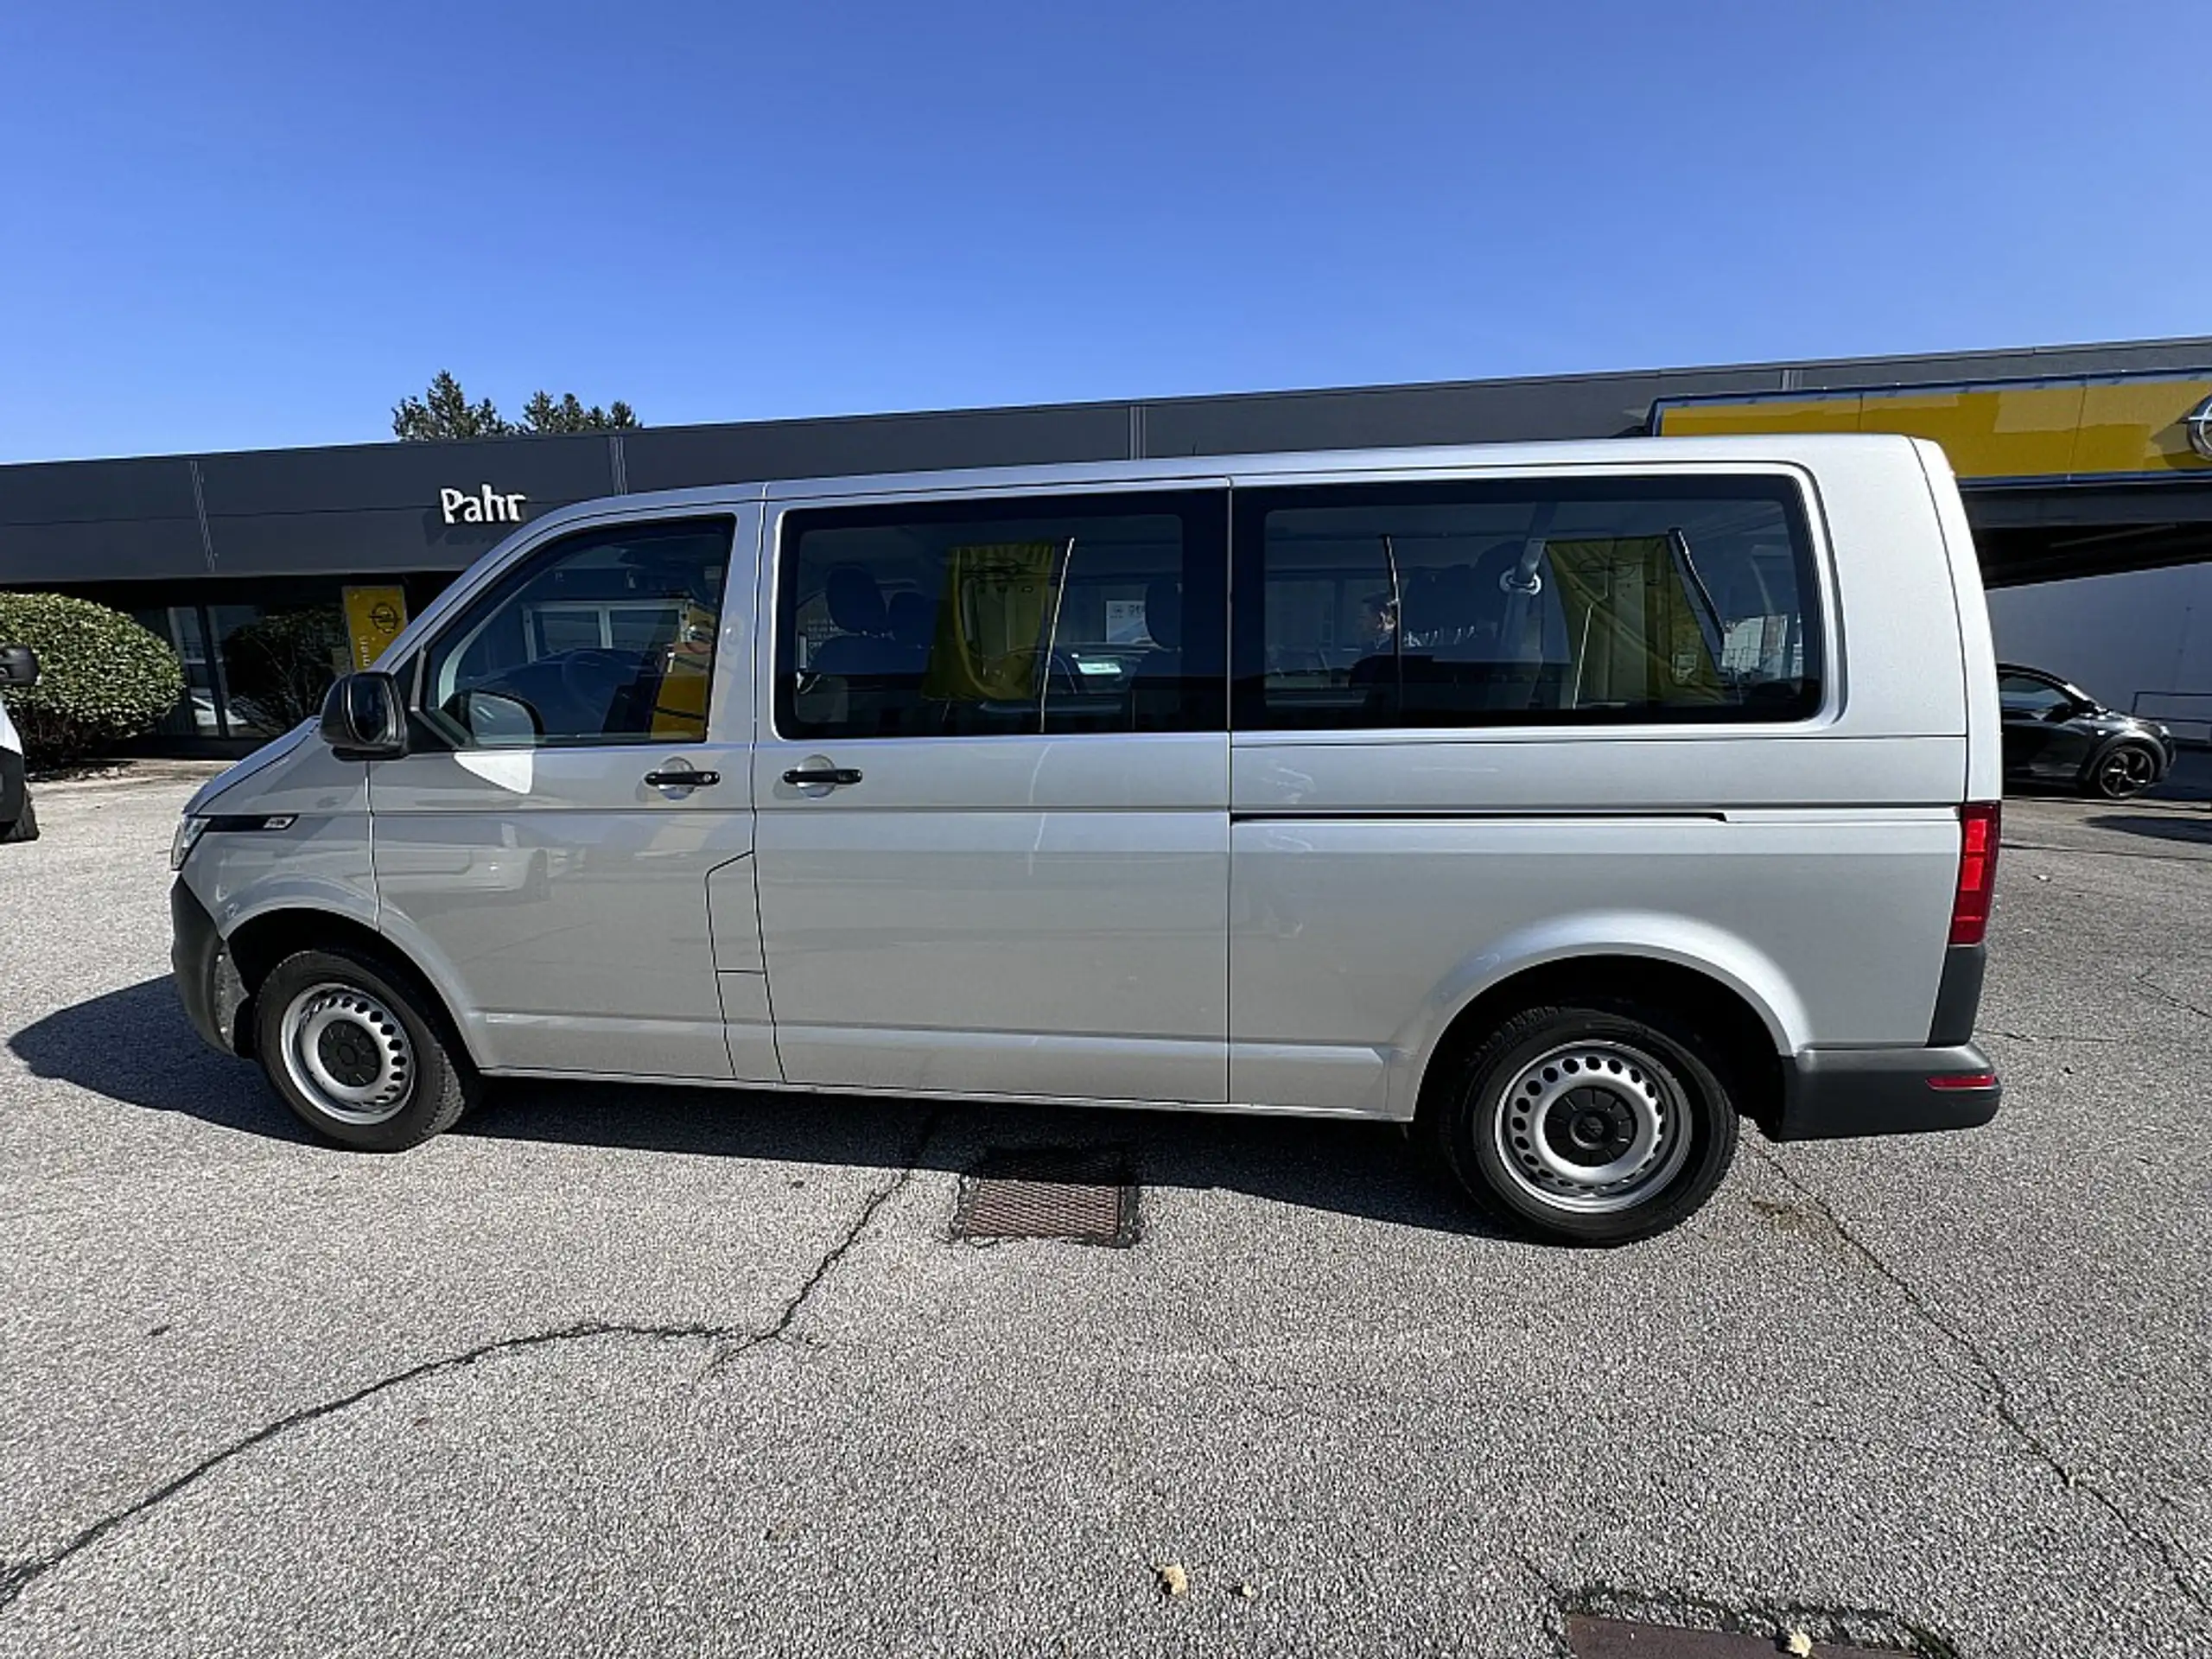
623	1371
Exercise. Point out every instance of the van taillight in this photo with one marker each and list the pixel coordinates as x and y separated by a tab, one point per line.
1977	871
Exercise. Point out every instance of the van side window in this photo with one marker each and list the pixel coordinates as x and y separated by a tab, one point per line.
1039	615
1525	602
606	635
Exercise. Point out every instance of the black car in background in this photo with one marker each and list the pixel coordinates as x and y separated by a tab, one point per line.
2056	734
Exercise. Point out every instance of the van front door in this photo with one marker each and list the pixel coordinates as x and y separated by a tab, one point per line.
546	846
993	793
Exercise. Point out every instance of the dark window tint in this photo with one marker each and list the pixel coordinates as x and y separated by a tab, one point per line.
605	637
2028	694
1522	602
1077	613
278	663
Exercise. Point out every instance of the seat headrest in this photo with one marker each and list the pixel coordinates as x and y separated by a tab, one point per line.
1163	612
855	601
1456	601
911	619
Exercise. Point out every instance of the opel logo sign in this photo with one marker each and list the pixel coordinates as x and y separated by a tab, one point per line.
2198	423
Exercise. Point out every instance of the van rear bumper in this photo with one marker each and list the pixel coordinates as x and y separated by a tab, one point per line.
207	981
1831	1093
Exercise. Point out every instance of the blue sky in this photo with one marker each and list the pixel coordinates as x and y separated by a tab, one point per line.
231	227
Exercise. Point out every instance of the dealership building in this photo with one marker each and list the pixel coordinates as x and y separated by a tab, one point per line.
2087	471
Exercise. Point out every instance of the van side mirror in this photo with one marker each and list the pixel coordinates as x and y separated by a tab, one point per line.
365	717
18	666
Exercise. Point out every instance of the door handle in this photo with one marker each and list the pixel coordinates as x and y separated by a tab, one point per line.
833	776
682	777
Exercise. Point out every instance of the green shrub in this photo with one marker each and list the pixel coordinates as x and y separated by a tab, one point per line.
102	677
278	667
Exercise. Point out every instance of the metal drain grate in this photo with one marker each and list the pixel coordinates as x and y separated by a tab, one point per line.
1618	1638
1080	1194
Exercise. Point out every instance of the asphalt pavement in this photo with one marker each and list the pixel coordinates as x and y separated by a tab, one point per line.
624	1371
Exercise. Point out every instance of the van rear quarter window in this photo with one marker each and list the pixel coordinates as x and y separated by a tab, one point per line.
1594	600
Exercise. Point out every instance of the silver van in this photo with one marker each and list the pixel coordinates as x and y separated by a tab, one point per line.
1564	802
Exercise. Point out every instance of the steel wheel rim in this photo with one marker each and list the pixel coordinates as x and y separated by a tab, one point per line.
1591	1127
348	1053
2126	770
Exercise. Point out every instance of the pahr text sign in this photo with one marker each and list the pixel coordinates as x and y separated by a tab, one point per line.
483	506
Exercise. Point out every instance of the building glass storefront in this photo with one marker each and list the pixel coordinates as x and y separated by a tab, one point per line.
256	662
251	671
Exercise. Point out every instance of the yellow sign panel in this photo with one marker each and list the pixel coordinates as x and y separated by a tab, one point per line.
680	704
374	617
2083	429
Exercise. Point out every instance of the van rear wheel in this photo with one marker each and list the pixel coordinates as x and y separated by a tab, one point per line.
356	1052
1597	1124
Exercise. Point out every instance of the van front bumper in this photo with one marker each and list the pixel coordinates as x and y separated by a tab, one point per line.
207	981
1832	1094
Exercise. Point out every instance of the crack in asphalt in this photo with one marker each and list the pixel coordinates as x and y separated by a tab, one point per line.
733	1341
2178	1564
1271	1400
836	1253
2049	1037
2144	981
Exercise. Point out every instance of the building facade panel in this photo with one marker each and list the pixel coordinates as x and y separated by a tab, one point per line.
685	457
2140	639
88	492
382	540
391	476
113	549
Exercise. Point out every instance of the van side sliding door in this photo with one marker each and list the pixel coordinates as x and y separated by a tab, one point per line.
993	793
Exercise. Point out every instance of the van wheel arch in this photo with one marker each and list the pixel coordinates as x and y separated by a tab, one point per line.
1632	983
260	943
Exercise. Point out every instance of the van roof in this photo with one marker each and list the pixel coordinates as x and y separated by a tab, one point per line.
1630	452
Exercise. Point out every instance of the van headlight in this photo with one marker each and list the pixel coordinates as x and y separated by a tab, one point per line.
189	832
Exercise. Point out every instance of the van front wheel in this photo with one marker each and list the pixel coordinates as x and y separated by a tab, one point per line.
1590	1125
357	1053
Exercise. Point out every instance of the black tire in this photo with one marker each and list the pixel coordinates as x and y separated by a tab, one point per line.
361	999
1681	1077
2122	771
25	828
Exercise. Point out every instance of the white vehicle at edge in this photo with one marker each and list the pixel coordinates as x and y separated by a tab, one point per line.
18	817
1566	802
